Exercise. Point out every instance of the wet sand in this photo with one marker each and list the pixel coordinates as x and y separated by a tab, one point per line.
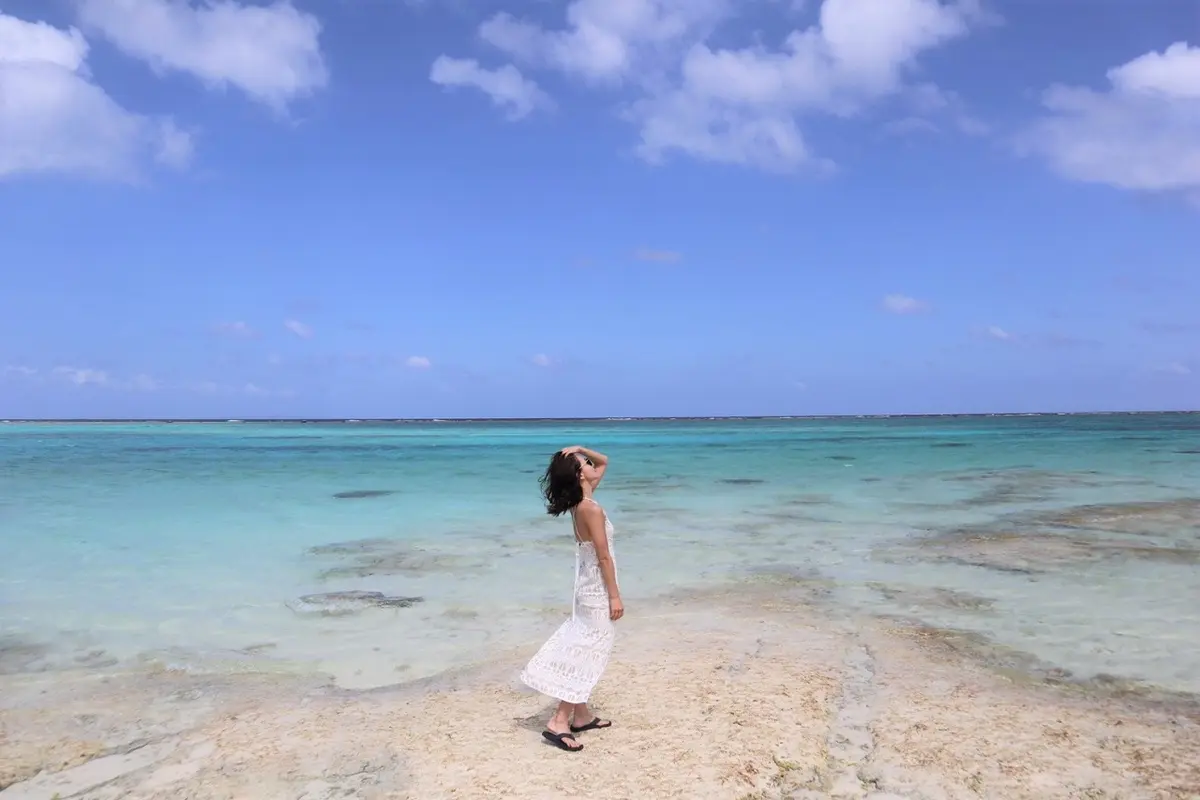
758	692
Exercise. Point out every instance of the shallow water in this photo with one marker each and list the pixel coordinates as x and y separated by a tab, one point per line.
209	545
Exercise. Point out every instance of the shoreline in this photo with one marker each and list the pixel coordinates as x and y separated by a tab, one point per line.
755	692
963	619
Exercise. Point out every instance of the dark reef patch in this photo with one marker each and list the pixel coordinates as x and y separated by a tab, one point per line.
364	558
1021	486
809	499
1032	477
1023	667
336	604
1170	517
21	655
657	484
363	494
933	597
353	547
1034	552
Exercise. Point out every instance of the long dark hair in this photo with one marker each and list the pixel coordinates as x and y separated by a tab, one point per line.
562	486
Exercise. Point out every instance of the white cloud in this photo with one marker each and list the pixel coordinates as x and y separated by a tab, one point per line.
736	105
418	362
236	330
299	328
1175	368
506	86
84	376
607	40
53	118
934	110
1052	340
1141	133
542	360
81	376
998	333
18	371
270	52
743	106
906	126
903	304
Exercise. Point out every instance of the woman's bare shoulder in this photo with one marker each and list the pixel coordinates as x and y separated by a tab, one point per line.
589	509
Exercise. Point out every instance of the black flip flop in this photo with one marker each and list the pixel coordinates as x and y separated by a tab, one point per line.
557	739
595	725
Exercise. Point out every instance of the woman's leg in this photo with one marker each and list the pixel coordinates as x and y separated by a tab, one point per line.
561	723
582	716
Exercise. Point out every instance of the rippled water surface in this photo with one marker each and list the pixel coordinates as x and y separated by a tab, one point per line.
381	552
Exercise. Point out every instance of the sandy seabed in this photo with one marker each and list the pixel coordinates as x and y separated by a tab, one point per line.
756	693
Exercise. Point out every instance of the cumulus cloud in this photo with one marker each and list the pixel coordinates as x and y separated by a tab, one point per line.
54	118
508	89
933	110
607	40
737	105
270	52
542	360
418	362
299	328
1140	133
903	304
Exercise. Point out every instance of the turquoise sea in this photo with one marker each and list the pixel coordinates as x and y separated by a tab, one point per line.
1075	539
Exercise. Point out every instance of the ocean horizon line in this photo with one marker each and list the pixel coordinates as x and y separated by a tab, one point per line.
518	420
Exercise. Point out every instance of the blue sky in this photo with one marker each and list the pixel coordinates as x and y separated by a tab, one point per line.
380	208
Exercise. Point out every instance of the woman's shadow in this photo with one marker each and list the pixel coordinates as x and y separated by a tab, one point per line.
536	723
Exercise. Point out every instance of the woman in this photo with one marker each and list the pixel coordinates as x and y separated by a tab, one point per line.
573	659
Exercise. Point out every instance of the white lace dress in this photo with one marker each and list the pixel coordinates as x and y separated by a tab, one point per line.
572	660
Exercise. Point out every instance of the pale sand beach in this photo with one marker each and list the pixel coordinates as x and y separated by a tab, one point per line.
757	692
